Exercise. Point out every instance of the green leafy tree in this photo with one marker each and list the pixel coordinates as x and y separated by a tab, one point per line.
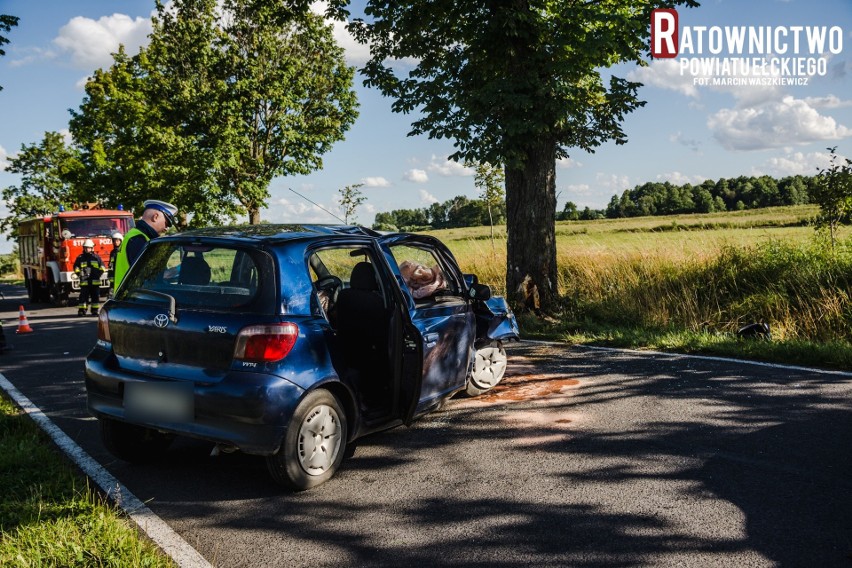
350	199
227	96
489	180
833	194
284	97
569	212
513	82
6	24
49	171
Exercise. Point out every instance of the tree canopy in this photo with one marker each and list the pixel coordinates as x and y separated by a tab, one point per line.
49	172
513	82
227	96
7	22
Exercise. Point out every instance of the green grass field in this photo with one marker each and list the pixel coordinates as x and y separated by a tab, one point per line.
688	282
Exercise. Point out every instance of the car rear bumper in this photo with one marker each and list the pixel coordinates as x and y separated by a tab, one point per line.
246	410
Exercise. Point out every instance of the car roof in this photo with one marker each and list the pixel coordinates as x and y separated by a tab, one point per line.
270	233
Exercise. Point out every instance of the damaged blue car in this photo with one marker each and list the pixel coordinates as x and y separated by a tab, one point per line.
289	342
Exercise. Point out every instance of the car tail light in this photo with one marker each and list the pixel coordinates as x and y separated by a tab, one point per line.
103	326
266	343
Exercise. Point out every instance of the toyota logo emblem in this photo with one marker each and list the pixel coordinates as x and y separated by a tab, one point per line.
161	320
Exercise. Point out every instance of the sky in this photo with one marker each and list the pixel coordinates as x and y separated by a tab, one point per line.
774	109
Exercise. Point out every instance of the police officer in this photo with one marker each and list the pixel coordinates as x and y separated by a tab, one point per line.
157	217
88	267
116	242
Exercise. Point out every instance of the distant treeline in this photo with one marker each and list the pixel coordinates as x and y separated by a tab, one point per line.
735	194
459	211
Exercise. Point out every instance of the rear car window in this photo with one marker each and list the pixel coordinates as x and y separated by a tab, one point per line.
209	277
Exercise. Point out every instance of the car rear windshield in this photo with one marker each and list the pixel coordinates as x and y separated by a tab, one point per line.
211	277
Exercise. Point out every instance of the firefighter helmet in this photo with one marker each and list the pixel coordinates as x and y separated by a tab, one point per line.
88	243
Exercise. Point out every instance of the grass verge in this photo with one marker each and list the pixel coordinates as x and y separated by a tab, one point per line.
833	355
49	516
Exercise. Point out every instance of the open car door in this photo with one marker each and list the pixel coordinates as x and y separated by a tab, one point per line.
437	323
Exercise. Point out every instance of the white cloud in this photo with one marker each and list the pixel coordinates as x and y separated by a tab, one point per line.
691	143
302	212
91	42
4	158
354	52
25	55
612	182
794	163
417	176
678	178
666	74
375	181
579	189
773	124
448	168
427	198
830	101
568	163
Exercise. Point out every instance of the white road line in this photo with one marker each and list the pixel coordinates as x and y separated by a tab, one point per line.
688	356
156	528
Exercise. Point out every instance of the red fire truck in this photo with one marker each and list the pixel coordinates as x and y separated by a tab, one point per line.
49	245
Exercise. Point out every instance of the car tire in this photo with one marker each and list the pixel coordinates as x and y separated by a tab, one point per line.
488	368
314	444
131	443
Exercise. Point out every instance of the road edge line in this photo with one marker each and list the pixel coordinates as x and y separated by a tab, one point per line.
691	356
169	541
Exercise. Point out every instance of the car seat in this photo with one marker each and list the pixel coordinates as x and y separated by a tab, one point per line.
194	270
363	321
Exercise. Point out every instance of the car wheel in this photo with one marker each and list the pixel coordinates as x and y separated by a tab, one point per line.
131	443
489	366
314	444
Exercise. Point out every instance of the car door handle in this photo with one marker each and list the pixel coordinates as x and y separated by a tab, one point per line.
431	339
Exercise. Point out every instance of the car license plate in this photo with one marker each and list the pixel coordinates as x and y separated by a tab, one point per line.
160	402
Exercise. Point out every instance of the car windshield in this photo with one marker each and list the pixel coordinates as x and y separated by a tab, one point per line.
95	227
210	277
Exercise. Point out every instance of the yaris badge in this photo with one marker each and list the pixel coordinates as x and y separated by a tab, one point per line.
161	320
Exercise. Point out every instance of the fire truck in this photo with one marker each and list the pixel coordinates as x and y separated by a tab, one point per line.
49	245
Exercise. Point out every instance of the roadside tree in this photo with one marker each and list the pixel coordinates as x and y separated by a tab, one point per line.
833	194
350	199
7	22
227	96
49	171
517	83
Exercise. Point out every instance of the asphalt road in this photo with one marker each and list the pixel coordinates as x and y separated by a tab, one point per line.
582	458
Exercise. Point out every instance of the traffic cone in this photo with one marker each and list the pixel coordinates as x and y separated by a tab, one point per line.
23	324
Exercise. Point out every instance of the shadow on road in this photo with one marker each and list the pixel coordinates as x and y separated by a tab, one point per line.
553	478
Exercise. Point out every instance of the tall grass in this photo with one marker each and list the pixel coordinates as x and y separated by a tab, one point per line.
715	274
800	289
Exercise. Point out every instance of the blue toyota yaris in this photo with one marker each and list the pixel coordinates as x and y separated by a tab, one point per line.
289	342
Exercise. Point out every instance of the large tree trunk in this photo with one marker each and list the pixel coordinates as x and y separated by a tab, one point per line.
531	280
254	214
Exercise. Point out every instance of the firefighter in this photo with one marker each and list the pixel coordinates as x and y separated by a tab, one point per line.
88	267
116	243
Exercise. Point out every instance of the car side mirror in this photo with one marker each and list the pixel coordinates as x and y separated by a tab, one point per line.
480	292
470	279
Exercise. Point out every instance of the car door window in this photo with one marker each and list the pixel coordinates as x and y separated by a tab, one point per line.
427	278
331	272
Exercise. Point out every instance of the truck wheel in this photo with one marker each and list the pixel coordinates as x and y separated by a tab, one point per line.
57	292
314	444
32	292
131	443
